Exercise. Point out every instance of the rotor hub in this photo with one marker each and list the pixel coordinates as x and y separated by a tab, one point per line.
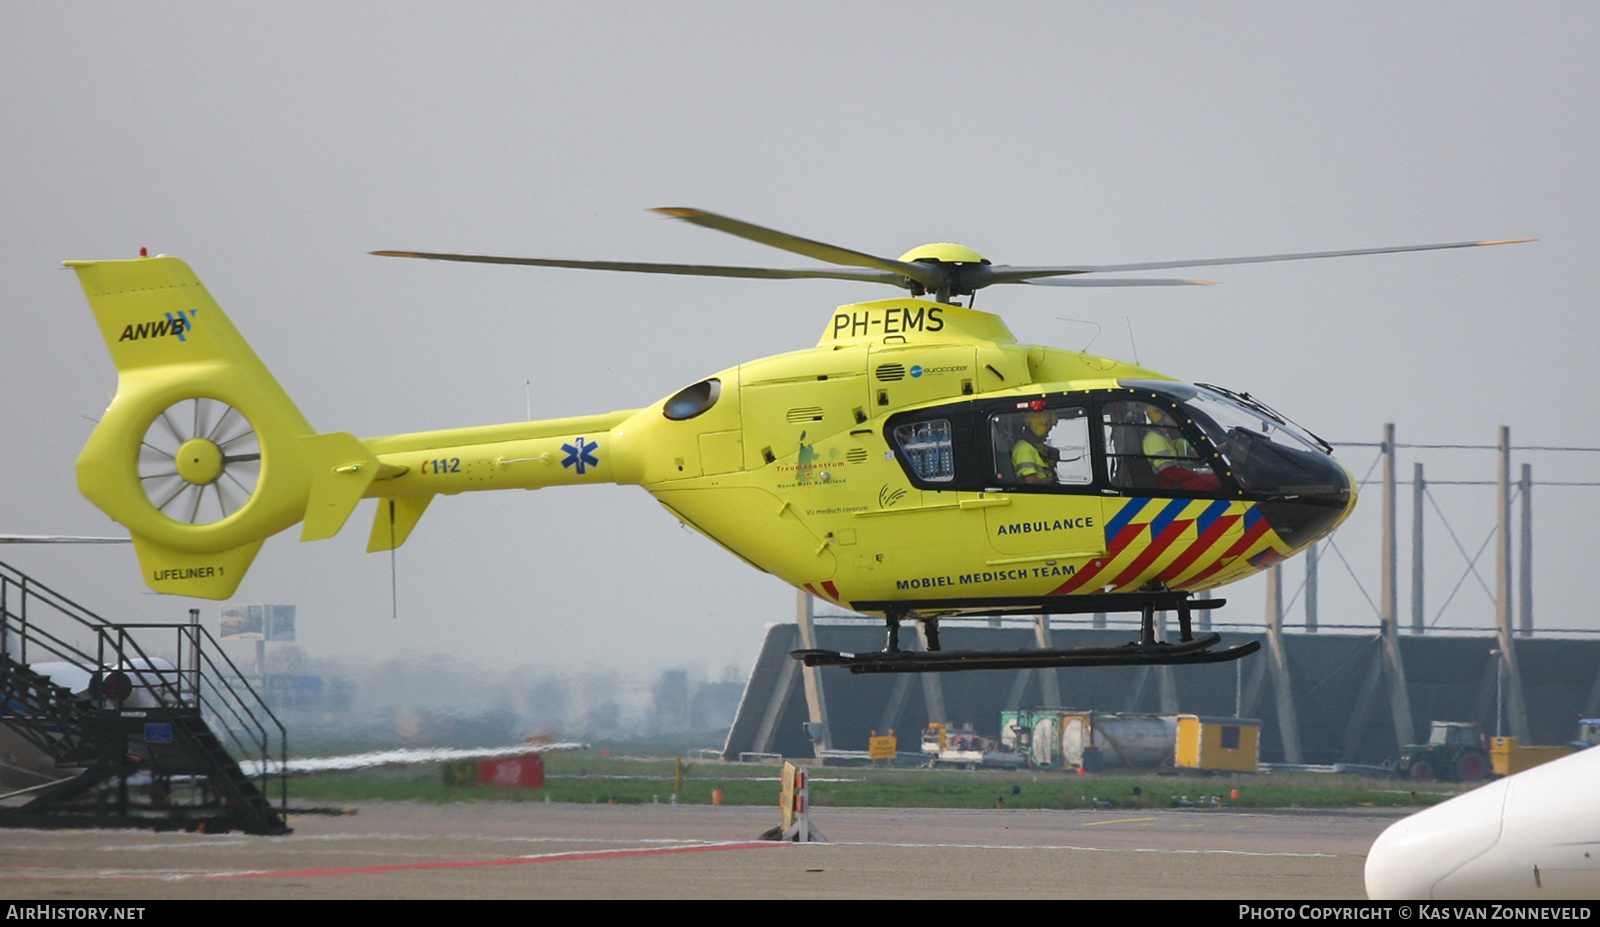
199	461
944	252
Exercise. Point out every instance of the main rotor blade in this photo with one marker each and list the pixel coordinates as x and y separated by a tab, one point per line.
1128	281
57	539
1017	274
693	270
928	275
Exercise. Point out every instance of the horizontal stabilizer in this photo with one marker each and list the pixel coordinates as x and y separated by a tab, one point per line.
341	470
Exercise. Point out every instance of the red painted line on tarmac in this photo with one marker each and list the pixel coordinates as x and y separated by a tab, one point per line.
475	863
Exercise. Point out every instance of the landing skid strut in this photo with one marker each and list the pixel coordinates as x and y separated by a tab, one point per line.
1146	651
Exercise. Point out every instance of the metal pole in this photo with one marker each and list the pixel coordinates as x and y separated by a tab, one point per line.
1311	588
1525	561
811	676
22	621
194	657
1399	697
1275	599
1238	688
1419	488
932	685
1499	690
1502	599
1388	603
1282	688
1049	685
1502	539
1166	685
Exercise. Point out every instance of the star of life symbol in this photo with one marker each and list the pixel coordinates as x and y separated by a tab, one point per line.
580	454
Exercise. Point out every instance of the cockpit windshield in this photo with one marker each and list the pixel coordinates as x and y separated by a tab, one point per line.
1267	453
1230	411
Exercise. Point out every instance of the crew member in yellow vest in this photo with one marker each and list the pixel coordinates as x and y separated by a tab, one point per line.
1032	458
1173	458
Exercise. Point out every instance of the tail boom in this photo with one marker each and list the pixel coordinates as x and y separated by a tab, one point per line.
404	472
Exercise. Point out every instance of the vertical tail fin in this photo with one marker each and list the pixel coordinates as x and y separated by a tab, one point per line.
199	454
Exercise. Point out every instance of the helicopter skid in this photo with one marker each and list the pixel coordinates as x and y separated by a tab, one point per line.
938	661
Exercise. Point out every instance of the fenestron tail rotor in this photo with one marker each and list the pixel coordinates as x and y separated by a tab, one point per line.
199	461
942	269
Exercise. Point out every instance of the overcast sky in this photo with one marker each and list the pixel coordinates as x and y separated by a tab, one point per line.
272	145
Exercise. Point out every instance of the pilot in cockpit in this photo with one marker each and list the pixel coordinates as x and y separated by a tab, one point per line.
1173	458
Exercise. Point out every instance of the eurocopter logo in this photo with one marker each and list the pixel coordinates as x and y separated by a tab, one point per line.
171	325
580	455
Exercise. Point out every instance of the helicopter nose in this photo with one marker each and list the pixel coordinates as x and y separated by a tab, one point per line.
1303	518
1355	491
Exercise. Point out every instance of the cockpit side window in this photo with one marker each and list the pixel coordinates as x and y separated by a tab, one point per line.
1045	446
1147	450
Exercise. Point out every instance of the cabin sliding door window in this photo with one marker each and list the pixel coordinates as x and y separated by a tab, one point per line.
929	449
1043	447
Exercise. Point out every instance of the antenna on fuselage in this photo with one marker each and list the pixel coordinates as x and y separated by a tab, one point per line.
1097	330
394	583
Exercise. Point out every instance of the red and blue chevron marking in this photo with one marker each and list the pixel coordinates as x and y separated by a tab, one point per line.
1166	527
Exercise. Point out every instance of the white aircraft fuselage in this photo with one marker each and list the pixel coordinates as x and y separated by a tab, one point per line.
1532	836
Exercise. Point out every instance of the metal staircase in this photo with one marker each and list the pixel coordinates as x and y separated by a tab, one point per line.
137	741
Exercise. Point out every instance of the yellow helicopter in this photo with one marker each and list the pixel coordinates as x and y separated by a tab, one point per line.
918	463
